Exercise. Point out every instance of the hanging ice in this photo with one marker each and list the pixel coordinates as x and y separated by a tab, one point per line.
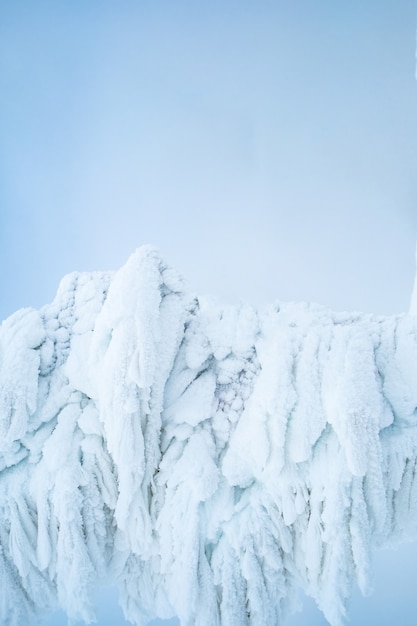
211	460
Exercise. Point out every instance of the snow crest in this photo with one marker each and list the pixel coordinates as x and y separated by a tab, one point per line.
210	460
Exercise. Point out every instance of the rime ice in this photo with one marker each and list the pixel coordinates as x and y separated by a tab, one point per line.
210	460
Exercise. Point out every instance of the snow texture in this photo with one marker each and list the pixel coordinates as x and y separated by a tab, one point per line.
212	461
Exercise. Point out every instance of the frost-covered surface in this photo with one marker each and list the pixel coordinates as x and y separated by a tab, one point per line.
210	460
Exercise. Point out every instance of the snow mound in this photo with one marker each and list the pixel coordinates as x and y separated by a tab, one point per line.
212	461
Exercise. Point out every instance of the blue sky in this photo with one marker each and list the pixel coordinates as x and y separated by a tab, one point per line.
267	148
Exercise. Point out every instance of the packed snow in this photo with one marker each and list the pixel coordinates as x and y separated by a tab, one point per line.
212	461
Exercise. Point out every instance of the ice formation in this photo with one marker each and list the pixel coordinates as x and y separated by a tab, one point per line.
210	460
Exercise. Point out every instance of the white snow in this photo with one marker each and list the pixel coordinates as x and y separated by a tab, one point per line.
212	461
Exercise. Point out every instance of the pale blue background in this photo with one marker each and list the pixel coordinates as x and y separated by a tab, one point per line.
268	148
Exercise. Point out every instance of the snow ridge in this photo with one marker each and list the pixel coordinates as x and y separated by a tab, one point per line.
211	460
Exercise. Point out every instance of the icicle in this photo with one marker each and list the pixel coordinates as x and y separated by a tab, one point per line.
152	437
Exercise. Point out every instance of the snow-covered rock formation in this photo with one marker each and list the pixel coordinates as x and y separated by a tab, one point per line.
210	460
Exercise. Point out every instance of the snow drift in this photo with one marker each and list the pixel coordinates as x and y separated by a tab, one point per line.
211	461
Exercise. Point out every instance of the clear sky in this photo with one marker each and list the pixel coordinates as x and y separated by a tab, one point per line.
268	148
